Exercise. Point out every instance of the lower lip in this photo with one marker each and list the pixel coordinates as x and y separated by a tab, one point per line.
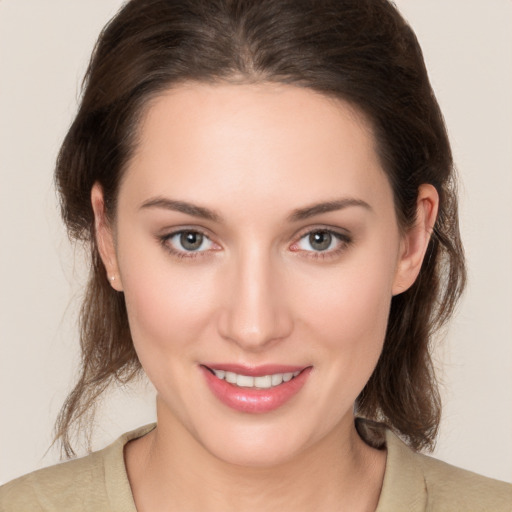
253	400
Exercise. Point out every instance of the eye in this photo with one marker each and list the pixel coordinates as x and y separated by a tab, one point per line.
317	241
322	241
187	241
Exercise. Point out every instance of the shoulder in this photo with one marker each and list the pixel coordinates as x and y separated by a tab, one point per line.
450	486
63	485
417	482
97	482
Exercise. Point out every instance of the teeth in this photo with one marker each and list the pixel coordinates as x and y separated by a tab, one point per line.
277	379
230	377
244	381
263	382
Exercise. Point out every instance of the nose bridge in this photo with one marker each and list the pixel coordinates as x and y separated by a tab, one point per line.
257	311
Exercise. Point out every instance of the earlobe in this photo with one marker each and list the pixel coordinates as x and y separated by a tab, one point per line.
105	238
415	241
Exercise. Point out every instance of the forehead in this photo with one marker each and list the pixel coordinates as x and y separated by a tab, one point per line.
259	141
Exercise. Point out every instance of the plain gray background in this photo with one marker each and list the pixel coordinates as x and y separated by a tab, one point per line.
44	48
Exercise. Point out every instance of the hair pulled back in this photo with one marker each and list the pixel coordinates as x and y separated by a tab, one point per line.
361	51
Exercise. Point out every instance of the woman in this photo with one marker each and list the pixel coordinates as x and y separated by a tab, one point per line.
267	190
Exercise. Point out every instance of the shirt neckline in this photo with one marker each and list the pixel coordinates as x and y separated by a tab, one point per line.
402	473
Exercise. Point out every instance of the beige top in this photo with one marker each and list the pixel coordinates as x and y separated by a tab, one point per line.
99	483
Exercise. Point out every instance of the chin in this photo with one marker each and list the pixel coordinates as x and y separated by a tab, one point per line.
255	453
258	446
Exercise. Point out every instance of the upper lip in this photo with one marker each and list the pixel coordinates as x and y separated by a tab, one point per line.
255	371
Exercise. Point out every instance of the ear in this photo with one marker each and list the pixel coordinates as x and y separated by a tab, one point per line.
105	238
415	241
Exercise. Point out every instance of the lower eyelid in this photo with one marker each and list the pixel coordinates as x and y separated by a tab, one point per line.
165	242
342	246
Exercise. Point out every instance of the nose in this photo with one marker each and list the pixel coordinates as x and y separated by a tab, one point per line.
256	312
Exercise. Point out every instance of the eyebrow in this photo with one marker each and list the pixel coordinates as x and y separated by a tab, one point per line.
296	215
183	207
325	207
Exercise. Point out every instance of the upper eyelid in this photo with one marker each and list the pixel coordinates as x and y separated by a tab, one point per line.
344	239
167	234
165	241
341	237
337	231
170	232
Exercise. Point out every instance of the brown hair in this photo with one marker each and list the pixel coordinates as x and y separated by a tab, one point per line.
359	50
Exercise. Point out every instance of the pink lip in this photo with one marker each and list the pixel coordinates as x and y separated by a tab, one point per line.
252	400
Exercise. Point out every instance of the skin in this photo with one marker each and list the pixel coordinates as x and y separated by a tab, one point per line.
257	292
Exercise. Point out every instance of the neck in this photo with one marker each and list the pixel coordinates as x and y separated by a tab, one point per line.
169	470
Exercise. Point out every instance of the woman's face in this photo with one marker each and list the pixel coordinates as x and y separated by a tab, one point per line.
255	238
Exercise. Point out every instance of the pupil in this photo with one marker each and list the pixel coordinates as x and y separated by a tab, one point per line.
320	240
191	241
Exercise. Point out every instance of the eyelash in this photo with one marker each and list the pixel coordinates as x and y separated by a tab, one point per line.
343	240
165	242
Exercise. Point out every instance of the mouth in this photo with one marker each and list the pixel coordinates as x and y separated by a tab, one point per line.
255	389
248	381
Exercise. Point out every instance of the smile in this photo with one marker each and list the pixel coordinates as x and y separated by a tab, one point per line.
255	390
247	381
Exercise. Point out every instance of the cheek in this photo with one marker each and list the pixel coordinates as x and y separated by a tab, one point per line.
348	321
353	329
167	306
352	307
